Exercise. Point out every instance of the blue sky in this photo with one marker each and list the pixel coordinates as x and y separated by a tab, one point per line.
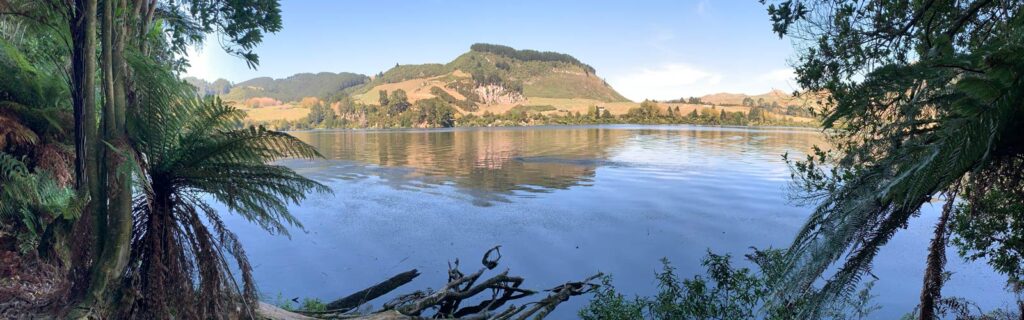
645	49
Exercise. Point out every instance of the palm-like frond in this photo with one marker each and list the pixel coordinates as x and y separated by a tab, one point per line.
232	165
936	135
191	150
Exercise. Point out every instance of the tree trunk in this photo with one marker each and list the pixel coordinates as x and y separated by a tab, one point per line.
931	291
119	220
114	216
355	300
83	69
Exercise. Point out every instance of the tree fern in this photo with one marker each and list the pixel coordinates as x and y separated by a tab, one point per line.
914	111
191	152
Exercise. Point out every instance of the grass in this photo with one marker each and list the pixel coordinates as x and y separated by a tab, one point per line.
307	304
284	112
532	108
568	85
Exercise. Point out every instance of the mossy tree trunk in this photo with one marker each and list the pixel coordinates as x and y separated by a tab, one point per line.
114	220
82	15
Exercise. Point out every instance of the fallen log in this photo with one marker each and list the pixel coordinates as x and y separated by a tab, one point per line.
355	300
446	301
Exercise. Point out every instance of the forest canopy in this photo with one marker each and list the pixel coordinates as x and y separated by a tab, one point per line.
529	55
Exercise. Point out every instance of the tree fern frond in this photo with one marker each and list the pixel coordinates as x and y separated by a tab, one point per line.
190	150
907	164
251	145
12	132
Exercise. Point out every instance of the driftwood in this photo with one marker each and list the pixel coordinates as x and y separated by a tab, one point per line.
356	299
447	302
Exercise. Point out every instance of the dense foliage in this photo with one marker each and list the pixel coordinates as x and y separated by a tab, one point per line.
723	292
466	105
109	163
405	72
923	98
529	55
36	195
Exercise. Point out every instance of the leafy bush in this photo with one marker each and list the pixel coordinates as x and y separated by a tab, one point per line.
531	108
31	201
989	228
608	304
466	105
723	292
465	89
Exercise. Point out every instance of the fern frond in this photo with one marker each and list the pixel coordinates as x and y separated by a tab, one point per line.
909	165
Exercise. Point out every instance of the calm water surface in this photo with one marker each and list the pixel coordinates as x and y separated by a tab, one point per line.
564	203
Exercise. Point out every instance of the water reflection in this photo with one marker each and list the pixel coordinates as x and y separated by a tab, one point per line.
564	202
491	165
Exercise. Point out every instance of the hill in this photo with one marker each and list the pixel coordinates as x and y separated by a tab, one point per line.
494	75
737	99
217	87
488	85
294	88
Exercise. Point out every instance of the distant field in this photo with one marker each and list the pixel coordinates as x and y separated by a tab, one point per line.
280	112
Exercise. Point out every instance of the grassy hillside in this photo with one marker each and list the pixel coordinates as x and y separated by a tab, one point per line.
736	99
775	101
489	85
529	73
295	87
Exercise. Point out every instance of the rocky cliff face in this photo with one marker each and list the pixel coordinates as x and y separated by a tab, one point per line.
496	94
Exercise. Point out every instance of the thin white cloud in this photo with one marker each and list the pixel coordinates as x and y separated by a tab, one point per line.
661	40
785	75
677	80
669	81
702	7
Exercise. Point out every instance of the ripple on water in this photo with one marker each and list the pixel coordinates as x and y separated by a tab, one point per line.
564	202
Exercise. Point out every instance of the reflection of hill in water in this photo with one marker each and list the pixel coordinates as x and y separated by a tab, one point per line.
492	164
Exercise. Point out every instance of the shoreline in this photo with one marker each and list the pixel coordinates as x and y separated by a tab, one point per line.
767	128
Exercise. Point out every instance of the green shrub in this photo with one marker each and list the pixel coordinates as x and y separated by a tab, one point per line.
723	292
